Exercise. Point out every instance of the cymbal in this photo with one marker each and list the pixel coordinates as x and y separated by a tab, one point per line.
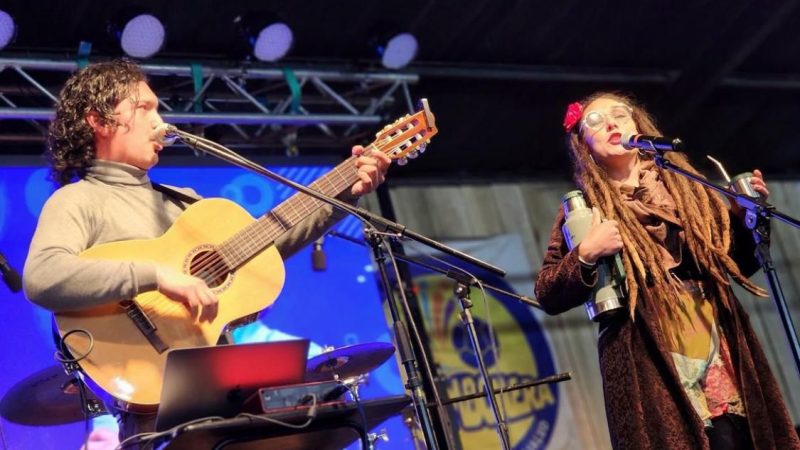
48	397
348	361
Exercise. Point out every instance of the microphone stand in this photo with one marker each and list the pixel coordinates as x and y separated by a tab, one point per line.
446	272
757	219
463	282
381	224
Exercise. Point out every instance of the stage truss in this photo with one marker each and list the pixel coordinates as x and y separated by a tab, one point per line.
244	106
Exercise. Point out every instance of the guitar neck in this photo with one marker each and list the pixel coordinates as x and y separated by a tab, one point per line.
263	232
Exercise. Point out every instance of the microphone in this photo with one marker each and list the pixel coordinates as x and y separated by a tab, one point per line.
651	144
608	294
10	276
164	134
318	259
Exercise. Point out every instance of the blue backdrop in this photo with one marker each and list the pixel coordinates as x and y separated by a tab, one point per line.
339	306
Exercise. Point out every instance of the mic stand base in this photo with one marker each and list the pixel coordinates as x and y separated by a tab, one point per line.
462	292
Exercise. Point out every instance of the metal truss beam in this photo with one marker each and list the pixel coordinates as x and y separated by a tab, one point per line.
253	104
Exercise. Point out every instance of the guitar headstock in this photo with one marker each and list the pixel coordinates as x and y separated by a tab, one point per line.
407	136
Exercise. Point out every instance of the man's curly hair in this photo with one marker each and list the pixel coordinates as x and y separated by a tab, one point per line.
96	88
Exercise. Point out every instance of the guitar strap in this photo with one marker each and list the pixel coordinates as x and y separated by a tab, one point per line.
174	193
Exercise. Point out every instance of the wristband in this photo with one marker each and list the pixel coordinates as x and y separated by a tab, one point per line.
586	264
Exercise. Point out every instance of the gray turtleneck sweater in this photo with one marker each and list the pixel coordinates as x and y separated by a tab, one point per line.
114	202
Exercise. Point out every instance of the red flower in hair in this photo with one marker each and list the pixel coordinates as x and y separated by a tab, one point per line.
573	116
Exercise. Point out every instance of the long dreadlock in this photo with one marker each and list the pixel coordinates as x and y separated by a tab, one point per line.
704	216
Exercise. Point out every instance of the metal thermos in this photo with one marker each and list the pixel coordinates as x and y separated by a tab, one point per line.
741	184
608	294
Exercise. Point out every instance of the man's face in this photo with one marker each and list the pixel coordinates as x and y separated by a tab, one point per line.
133	142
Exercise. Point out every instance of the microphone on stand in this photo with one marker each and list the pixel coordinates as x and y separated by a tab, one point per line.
318	260
651	144
10	276
164	134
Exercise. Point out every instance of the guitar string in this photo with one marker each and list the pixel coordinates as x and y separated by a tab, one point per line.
248	235
214	258
212	266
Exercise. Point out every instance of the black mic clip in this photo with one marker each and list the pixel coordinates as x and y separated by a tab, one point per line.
651	144
318	260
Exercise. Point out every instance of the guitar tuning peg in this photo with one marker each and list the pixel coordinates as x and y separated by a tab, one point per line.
412	154
402	161
422	147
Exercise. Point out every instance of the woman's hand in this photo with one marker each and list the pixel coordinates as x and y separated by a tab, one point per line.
603	239
759	185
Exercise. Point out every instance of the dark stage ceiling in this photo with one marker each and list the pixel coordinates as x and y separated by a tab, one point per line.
722	75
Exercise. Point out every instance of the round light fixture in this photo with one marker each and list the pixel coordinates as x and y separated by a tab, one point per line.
143	36
8	29
266	36
399	51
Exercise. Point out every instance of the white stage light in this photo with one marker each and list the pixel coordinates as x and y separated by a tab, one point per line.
8	29
399	51
142	36
273	42
264	34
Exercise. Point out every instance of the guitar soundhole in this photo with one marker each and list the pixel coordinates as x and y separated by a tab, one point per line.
210	267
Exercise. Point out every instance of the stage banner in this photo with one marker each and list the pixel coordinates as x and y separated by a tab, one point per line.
515	349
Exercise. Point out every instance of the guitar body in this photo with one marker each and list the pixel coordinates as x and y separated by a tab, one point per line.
122	361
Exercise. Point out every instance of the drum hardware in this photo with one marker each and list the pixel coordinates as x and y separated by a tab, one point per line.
348	361
48	397
373	438
352	384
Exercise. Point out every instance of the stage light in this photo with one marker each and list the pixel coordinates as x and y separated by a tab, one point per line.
8	29
398	51
140	34
269	38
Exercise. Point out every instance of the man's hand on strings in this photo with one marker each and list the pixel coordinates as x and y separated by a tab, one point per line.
371	170
192	291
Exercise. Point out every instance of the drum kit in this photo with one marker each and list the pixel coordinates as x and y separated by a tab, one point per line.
52	397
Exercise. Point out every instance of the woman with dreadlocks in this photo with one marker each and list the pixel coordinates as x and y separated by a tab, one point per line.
682	367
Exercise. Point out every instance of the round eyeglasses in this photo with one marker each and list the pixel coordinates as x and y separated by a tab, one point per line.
620	114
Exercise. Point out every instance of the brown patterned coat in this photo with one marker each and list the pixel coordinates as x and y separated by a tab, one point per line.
646	406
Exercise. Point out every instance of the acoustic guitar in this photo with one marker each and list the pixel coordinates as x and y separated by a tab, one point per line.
123	348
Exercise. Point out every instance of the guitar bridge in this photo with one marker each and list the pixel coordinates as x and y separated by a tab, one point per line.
144	324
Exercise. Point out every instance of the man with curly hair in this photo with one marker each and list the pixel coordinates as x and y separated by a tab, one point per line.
101	145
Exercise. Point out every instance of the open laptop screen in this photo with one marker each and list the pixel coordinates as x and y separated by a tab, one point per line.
216	381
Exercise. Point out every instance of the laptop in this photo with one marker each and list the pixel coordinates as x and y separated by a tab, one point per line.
217	381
